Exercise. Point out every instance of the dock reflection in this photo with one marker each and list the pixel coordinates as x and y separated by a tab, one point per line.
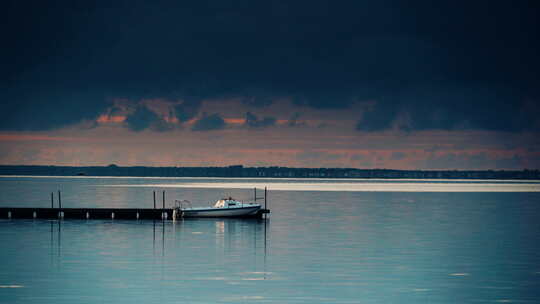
180	245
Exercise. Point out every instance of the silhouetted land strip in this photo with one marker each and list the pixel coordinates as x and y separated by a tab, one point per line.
273	172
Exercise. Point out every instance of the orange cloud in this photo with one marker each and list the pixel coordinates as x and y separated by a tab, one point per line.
235	121
111	118
171	119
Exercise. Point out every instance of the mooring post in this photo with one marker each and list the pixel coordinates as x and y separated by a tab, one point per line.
265	209
154	199
59	204
163	208
255	194
52	200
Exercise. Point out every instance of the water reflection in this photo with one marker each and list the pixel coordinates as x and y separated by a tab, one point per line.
228	234
220	241
99	260
162	224
55	233
318	247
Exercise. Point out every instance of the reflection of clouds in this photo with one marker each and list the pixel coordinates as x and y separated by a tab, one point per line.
11	286
210	278
242	298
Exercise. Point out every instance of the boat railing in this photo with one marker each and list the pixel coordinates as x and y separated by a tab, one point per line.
182	204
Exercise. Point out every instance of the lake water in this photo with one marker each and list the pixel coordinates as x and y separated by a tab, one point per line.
326	241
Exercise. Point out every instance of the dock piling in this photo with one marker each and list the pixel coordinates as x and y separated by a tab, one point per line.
154	199
52	200
163	213
265	208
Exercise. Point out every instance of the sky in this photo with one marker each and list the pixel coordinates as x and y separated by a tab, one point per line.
356	84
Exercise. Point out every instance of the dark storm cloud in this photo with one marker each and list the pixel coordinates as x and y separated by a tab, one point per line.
252	121
187	110
114	111
444	108
143	118
209	123
257	97
322	54
379	117
28	109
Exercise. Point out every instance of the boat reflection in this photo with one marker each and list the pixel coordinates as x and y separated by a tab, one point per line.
232	241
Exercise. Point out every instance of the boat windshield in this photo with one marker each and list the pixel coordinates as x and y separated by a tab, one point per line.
225	203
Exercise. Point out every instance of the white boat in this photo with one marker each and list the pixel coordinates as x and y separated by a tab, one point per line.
226	207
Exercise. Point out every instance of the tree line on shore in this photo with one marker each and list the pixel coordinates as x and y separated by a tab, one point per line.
269	172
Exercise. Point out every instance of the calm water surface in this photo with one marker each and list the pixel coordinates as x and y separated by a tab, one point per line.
356	241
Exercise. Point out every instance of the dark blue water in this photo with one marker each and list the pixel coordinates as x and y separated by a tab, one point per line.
316	247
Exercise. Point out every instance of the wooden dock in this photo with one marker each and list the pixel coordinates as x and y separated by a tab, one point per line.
155	213
96	213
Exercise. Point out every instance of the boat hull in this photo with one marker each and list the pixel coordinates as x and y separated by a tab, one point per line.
221	212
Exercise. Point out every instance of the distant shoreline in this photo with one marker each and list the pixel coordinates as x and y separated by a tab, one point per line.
265	172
